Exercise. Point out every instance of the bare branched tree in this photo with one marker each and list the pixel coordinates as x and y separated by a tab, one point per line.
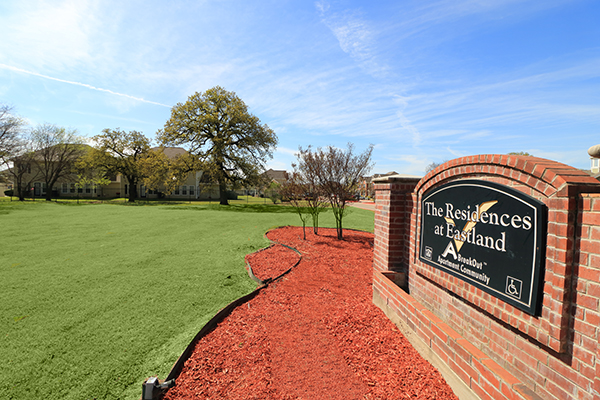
339	175
11	128
56	151
294	191
13	149
18	167
520	153
433	165
307	174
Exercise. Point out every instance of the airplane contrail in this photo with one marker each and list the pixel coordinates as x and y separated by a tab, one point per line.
24	71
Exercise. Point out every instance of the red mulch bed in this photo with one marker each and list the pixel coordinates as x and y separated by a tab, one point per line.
272	261
314	334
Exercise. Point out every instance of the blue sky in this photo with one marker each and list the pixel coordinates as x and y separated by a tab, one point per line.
424	81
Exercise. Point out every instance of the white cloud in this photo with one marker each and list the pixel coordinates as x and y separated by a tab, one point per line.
356	37
284	150
20	70
454	152
51	35
411	164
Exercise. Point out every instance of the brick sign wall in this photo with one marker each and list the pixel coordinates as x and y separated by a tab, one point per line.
498	350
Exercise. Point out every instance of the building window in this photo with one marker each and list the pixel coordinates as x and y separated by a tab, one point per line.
176	190
191	190
65	187
184	190
595	164
88	189
72	188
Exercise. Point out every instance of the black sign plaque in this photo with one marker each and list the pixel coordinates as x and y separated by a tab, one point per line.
489	235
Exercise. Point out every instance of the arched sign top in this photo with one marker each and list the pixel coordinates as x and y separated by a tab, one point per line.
488	235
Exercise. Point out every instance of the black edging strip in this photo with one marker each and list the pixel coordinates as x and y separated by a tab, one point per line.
210	325
223	313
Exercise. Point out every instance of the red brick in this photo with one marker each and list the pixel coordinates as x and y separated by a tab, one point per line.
592	317
526	374
589	246
583	355
486	373
593	289
594	233
483	395
449	331
587	301
424	333
529	360
555	378
592	274
591	218
491	390
441	349
431	317
462	374
525	392
555	344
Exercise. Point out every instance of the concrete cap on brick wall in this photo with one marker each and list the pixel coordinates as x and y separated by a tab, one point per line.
397	178
594	151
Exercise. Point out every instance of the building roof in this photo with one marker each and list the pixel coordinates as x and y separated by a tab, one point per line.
278	176
76	146
172	152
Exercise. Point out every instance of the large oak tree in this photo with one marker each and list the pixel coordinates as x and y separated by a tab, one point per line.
229	144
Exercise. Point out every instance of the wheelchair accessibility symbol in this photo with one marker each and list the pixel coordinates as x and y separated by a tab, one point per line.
428	252
513	287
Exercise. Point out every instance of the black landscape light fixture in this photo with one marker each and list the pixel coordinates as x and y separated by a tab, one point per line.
152	388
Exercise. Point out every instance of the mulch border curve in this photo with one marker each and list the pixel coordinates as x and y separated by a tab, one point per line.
224	312
269	280
206	329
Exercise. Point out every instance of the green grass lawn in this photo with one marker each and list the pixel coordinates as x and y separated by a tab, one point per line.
95	298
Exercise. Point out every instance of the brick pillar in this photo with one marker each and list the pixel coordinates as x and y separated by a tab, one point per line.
394	207
588	284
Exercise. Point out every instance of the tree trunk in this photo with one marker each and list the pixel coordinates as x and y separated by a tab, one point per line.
20	191
223	194
338	213
49	187
132	189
